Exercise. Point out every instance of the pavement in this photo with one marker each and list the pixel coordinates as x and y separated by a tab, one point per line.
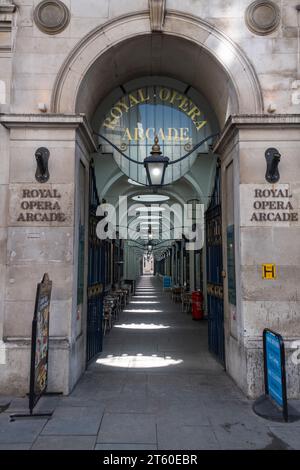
155	386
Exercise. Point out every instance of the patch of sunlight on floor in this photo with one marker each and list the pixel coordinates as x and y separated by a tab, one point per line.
142	326
142	310
145	296
139	361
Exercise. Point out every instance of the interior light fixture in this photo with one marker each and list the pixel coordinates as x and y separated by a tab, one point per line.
150	209
150	198
145	224
149	217
156	165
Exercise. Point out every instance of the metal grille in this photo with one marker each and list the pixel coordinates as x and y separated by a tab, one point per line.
215	302
95	274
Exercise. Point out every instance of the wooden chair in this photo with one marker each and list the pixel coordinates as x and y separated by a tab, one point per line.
177	291
186	302
106	319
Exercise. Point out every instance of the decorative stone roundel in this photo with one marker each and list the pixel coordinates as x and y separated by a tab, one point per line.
51	16
262	17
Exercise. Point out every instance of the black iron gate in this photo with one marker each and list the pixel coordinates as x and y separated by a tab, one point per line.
95	276
215	304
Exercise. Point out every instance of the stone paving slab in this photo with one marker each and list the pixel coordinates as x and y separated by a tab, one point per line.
229	412
19	404
86	402
218	393
164	382
64	443
24	430
132	403
44	405
82	421
183	413
129	428
286	436
242	436
182	437
125	447
15	446
140	388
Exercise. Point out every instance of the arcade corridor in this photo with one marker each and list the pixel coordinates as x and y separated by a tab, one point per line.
155	386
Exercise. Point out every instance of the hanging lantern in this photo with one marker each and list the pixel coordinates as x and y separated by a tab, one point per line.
156	165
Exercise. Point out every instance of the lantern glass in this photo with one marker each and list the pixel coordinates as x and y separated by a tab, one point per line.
156	171
156	166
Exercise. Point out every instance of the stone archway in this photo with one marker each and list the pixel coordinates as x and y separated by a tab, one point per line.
188	49
225	68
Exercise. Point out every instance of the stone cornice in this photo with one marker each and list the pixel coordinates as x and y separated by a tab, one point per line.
55	342
54	121
254	121
41	120
7	8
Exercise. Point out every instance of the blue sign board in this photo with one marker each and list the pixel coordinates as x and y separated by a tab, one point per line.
167	282
274	360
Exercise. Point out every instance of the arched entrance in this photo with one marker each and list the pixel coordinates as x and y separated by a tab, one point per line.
111	58
104	59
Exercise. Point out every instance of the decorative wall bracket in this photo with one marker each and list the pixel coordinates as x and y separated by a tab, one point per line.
42	157
273	158
157	14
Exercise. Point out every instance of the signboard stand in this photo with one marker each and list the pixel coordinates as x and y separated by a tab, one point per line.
39	349
273	405
167	283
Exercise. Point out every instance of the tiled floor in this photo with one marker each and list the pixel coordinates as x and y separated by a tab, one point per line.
155	386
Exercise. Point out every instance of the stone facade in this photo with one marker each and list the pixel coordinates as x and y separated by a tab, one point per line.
262	303
49	79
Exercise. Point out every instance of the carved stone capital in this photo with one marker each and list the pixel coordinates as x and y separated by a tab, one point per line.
157	14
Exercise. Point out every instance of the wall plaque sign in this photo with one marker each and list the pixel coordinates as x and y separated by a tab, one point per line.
41	205
273	205
265	205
